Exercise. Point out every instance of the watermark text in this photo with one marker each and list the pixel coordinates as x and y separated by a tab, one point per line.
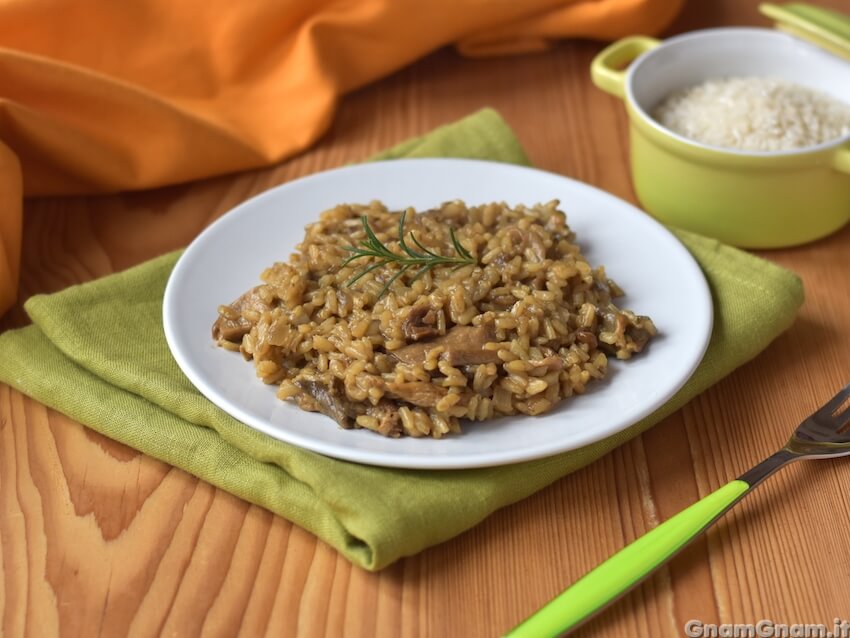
767	628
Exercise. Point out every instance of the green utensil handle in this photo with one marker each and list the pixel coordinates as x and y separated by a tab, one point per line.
629	566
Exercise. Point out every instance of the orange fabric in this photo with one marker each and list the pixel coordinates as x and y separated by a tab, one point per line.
103	96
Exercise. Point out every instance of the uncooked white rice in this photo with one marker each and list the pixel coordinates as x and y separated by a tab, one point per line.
755	114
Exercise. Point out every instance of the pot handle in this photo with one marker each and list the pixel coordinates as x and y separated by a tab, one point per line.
607	70
841	161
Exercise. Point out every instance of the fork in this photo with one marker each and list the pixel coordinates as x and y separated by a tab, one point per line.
822	435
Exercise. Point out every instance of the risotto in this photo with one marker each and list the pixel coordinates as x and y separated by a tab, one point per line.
516	323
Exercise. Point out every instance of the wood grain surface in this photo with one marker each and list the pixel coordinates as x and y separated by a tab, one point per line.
99	540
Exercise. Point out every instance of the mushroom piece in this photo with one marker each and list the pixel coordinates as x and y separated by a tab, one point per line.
329	400
462	346
421	323
389	421
231	325
421	393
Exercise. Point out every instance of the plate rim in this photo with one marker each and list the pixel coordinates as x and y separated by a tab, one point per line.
382	458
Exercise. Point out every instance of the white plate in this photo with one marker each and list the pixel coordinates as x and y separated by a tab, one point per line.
658	274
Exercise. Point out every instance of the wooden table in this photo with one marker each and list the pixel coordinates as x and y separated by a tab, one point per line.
98	539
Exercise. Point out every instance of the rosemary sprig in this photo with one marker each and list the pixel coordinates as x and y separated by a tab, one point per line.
425	260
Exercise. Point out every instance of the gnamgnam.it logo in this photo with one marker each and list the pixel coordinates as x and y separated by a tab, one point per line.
767	628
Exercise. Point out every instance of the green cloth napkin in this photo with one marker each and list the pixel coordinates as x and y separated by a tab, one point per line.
97	353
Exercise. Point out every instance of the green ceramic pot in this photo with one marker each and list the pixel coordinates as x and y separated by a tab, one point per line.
746	198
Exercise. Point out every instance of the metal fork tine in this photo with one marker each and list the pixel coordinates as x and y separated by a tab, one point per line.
830	406
843	418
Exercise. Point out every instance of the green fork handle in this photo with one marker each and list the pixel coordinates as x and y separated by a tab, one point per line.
629	566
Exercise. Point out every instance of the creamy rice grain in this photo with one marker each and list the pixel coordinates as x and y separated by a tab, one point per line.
755	114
